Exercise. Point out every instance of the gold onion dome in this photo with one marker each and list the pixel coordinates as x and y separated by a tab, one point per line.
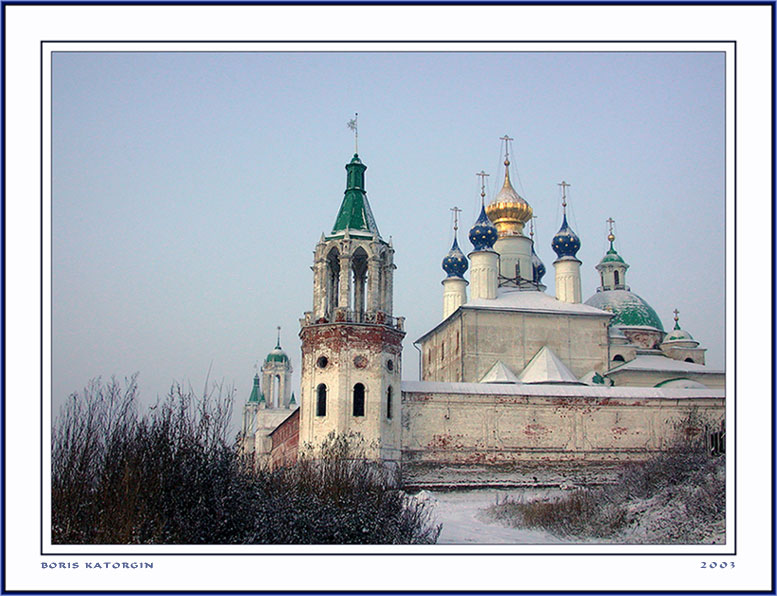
509	212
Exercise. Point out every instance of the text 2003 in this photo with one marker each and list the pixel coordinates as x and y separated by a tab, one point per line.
716	565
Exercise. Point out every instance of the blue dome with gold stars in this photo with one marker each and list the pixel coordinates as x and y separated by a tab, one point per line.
455	263
565	242
483	234
538	267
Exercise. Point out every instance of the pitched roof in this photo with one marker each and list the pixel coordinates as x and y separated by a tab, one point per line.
499	373
547	368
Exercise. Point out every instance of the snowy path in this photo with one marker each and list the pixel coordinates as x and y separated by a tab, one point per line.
464	521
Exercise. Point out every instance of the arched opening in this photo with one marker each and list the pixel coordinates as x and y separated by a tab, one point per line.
617	278
321	400
389	404
618	358
332	280
275	392
358	399
359	286
689	360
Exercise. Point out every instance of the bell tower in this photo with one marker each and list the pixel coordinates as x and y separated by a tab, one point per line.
351	342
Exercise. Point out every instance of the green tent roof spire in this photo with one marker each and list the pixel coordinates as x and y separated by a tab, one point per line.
355	214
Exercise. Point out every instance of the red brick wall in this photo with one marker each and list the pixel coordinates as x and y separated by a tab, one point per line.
285	441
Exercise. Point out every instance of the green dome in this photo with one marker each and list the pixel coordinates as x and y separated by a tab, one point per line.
612	257
678	335
629	309
277	355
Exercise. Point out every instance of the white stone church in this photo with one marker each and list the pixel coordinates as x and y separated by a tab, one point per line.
511	375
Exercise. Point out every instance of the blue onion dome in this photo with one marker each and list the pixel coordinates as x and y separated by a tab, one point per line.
483	234
455	263
538	267
565	243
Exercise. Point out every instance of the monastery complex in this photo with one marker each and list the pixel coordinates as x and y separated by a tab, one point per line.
510	376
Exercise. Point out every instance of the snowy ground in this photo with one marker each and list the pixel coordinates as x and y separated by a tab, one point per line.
462	514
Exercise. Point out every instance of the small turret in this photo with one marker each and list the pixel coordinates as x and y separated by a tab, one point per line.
484	261
510	212
455	265
566	244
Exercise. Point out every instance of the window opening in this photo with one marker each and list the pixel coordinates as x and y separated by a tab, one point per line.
358	399
321	400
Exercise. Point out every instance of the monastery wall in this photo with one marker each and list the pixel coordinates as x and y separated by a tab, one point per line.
482	424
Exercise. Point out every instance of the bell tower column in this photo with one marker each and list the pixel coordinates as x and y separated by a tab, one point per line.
352	365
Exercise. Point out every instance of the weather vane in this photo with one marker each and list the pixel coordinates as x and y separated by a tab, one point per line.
354	126
482	174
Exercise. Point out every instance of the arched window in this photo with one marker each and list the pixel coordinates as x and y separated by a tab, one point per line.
359	285
689	359
618	358
332	280
617	278
321	400
389	405
358	399
442	352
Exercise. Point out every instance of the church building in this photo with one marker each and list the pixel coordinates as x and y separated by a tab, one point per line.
509	374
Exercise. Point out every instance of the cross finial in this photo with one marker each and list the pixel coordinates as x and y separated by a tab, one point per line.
507	139
278	345
482	175
610	236
354	126
456	212
256	367
563	184
676	315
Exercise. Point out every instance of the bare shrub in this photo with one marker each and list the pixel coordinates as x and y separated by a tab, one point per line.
341	497
173	477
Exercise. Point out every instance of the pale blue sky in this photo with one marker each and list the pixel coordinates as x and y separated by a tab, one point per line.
189	190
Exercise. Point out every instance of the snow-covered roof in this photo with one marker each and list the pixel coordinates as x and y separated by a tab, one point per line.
571	391
546	367
664	364
531	301
499	373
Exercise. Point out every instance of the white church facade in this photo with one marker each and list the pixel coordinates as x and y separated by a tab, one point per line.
510	374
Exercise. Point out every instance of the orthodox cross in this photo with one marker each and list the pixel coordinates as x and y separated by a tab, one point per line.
279	337
456	212
610	237
531	227
563	184
354	126
482	176
676	317
506	139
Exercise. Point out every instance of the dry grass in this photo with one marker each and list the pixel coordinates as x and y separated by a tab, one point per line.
678	497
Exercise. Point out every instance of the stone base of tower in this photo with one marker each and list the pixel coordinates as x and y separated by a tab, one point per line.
350	386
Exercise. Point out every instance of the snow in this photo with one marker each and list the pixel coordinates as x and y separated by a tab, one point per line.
532	301
663	363
464	519
577	391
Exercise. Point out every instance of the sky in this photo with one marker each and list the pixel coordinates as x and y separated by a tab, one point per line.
189	191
